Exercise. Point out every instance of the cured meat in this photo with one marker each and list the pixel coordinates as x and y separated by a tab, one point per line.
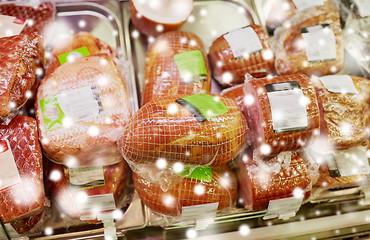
261	181
255	58
236	93
15	201
312	45
80	107
179	191
164	129
38	17
21	57
282	113
27	224
176	63
79	40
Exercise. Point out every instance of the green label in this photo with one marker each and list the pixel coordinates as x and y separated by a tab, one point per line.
77	53
191	66
52	113
203	106
199	173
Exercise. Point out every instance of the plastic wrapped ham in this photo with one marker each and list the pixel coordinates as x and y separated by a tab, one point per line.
198	129
81	106
169	193
81	44
21	170
236	93
282	113
310	43
22	58
245	50
176	63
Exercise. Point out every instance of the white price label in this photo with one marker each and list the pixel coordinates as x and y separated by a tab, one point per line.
86	177
11	26
283	208
352	161
95	204
243	42
363	7
339	84
199	211
305	4
9	175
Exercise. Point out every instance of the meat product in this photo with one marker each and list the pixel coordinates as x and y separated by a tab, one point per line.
15	201
312	43
24	225
21	58
238	52
89	44
261	181
38	18
236	93
176	63
165	129
282	113
178	191
81	106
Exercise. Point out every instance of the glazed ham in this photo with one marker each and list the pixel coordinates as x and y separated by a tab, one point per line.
176	63
81	106
21	57
15	200
241	51
282	113
236	93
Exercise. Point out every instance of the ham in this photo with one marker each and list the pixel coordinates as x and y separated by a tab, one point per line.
236	93
176	63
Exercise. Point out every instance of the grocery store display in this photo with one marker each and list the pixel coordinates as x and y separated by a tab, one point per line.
155	17
241	51
176	63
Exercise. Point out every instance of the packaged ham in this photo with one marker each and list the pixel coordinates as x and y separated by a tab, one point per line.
282	113
310	43
199	129
81	106
21	170
235	93
262	180
81	44
245	50
22	58
176	63
170	193
160	16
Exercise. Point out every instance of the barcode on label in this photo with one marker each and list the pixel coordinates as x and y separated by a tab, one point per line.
95	204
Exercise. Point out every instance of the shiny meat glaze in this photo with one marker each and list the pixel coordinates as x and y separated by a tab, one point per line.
236	93
16	202
259	116
156	132
62	142
21	56
181	191
81	39
161	76
257	64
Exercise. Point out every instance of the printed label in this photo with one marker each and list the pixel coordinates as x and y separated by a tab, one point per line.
75	105
305	4
243	42
339	84
9	175
363	7
191	66
86	177
198	173
288	108
199	211
283	208
366	184
203	106
11	26
95	204
10	231
72	55
320	43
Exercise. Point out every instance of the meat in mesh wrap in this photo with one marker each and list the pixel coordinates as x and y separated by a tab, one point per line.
165	129
16	202
236	93
290	48
266	140
103	89
77	41
162	76
170	192
223	61
22	56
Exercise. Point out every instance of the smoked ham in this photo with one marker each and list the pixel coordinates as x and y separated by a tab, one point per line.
238	52
176	63
236	93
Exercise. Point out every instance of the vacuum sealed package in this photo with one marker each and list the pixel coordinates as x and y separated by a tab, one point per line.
242	51
282	113
176	63
199	129
81	106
